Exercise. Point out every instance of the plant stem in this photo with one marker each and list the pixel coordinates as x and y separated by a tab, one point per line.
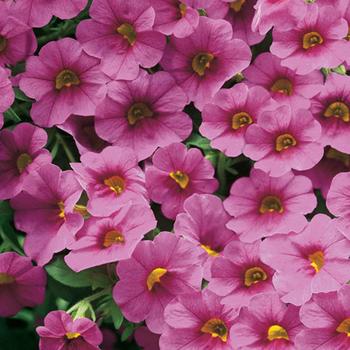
66	149
221	172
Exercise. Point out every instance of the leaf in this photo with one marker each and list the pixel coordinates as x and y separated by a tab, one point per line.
12	115
21	96
117	316
5	212
129	329
199	141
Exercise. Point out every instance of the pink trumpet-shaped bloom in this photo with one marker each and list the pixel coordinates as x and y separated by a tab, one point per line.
155	274
45	211
203	61
7	95
312	261
263	206
61	332
21	284
176	174
146	339
121	34
198	321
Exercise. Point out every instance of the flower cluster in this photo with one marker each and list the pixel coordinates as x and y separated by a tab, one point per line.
186	160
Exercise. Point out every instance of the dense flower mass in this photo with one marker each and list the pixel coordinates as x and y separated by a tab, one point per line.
175	174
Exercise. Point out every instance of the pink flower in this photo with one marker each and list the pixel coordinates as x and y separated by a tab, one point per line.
262	206
146	339
17	40
7	95
203	61
63	80
198	321
156	273
176	174
204	224
60	331
111	179
21	284
45	211
83	131
121	33
144	114
326	317
231	111
284	85
284	139
38	13
239	274
313	261
332	110
106	240
240	14
316	41
338	200
284	14
21	153
267	323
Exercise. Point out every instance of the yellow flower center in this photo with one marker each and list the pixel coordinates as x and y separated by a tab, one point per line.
216	328
183	9
271	204
115	183
3	43
344	327
6	278
311	39
23	161
277	332
155	277
338	110
180	178
137	112
237	5
284	141
254	275
72	335
127	31
317	260
241	120
113	237
283	86
66	79
210	251
201	62
61	214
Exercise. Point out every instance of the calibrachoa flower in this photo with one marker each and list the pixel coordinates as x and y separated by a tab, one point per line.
105	240
240	14
156	273
326	317
111	179
45	211
316	41
239	274
263	206
266	323
231	111
61	332
21	153
121	33
284	14
63	80
7	95
144	114
146	339
313	261
284	85
284	139
176	174
21	284
197	322
203	61
204	224
17	40
338	200
83	131
332	110
37	13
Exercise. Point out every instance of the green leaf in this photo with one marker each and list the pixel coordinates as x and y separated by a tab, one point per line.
199	141
5	212
12	115
21	96
129	329
117	316
10	238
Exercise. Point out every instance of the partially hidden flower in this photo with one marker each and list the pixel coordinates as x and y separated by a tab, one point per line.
7	95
